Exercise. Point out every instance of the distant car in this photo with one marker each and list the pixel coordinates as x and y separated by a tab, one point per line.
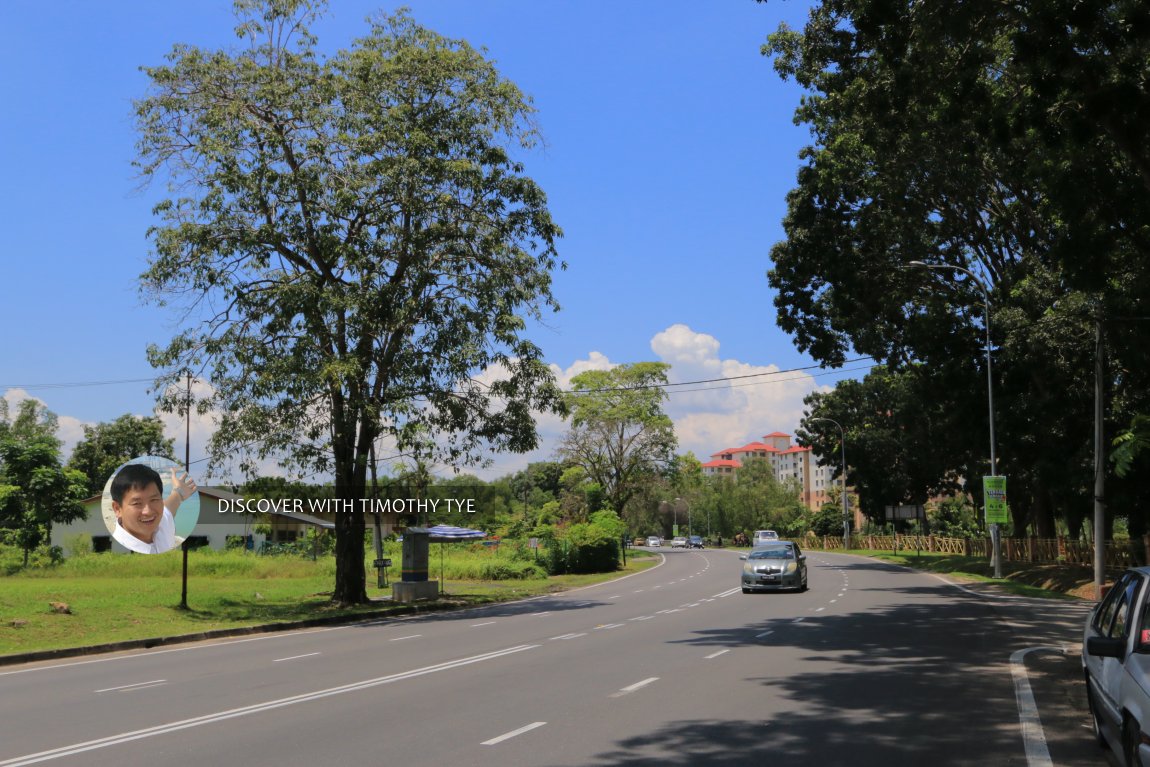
764	536
774	566
1116	662
679	542
654	540
694	541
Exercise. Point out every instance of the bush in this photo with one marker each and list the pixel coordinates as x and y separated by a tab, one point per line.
586	548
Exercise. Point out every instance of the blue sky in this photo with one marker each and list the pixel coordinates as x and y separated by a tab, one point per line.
669	150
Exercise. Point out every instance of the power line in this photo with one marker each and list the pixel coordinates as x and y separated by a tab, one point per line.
720	380
76	384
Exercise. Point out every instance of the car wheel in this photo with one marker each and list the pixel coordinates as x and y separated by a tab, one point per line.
1095	720
1130	743
746	591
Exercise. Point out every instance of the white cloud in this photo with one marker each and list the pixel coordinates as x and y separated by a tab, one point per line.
69	430
754	400
750	402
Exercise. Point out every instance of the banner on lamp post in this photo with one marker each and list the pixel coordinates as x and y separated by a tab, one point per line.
994	495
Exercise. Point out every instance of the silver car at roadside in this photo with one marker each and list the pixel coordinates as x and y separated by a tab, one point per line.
1116	663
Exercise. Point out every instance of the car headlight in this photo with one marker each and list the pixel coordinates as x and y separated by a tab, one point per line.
792	567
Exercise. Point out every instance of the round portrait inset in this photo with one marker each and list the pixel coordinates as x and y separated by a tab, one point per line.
150	504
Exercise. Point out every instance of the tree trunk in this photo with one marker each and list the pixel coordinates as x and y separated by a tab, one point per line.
1043	511
350	576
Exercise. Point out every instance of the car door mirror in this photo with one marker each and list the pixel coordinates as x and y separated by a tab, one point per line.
1106	647
742	556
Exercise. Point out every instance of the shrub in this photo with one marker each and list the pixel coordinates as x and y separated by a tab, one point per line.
586	548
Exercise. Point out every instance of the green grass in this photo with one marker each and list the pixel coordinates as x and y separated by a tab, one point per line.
1046	581
116	598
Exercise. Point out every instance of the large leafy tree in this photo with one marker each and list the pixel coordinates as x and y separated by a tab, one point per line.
900	438
949	135
35	490
619	433
354	244
106	446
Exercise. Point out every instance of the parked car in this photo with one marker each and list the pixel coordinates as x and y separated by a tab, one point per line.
654	540
694	541
764	536
679	542
1116	662
773	566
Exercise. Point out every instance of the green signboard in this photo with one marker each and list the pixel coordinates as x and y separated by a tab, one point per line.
994	491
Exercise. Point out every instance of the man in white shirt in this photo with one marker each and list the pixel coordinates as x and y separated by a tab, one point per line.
144	518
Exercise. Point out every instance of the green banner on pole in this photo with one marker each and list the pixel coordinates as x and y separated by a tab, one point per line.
994	492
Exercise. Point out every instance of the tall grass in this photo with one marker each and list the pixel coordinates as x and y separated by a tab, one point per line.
460	561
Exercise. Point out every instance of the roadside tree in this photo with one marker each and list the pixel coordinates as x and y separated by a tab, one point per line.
106	446
619	434
35	490
355	248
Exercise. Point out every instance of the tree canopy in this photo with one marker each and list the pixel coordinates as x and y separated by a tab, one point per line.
35	490
619	433
985	137
106	446
355	247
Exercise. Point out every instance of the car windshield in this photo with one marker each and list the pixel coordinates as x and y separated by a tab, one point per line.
772	552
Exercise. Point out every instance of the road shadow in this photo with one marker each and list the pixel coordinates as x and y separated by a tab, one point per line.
922	678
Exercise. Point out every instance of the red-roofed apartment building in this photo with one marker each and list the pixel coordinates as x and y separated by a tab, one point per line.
788	461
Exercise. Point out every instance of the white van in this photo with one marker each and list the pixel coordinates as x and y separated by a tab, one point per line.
764	536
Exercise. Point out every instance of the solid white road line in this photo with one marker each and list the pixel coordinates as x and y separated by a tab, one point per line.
308	655
512	734
412	636
130	686
715	654
1033	737
485	623
220	716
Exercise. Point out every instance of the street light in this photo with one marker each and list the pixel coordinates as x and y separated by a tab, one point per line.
995	536
846	517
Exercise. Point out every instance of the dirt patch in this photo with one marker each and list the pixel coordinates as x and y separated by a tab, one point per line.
1073	580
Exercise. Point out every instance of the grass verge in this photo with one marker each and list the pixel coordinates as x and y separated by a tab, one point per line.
133	603
1046	581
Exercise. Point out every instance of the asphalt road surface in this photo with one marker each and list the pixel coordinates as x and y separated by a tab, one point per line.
874	665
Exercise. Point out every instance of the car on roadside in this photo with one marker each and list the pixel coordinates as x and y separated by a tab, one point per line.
764	536
694	541
1116	663
774	566
654	541
679	542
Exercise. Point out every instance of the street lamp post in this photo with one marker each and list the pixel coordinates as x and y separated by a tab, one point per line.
995	535
846	516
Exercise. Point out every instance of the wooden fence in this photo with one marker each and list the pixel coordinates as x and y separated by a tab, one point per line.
1119	554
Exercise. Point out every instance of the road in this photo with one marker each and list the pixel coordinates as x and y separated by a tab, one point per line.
874	665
